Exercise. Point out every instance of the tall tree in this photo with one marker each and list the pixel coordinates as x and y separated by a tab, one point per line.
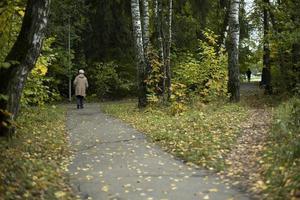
168	49
146	33
141	64
158	10
233	51
23	54
266	47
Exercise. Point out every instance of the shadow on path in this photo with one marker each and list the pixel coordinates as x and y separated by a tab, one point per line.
114	161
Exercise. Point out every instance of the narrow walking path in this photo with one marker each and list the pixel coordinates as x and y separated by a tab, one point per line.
114	161
244	161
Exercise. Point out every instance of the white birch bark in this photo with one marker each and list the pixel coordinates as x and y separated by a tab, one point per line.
25	51
146	33
138	40
233	51
145	24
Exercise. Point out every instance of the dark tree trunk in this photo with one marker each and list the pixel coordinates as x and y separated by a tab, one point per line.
23	54
221	39
160	43
233	51
266	56
168	50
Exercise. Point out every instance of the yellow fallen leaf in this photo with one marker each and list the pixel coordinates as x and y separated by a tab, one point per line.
213	190
206	197
59	194
105	188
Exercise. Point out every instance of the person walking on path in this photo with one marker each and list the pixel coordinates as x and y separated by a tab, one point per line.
81	84
248	72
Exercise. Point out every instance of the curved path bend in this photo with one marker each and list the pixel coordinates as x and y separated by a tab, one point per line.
114	161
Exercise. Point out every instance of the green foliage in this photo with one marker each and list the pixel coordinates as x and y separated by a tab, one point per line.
11	15
33	163
186	28
38	92
105	82
155	77
203	72
283	153
195	135
38	88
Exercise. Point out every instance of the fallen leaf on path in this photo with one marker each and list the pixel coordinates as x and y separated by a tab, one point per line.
105	188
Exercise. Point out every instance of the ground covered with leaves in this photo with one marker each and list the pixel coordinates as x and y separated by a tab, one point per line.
202	135
33	162
254	145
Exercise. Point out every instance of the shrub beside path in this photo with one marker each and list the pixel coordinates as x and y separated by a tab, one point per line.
114	161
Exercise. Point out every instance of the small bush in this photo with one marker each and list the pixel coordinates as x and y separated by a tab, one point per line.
38	89
204	72
106	82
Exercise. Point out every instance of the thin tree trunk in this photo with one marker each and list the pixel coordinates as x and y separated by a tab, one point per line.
138	39
145	23
233	51
266	48
168	50
222	38
160	43
23	54
146	33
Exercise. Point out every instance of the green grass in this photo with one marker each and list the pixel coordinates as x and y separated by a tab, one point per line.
33	161
200	135
282	156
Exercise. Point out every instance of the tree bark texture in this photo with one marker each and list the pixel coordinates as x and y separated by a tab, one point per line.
222	38
233	51
146	33
160	43
138	40
168	50
23	54
266	48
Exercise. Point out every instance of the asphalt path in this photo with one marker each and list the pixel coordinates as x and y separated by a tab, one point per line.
114	161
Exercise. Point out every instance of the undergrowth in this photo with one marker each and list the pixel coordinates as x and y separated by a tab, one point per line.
282	157
33	162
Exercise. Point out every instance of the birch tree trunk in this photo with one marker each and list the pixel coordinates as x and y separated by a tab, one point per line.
23	54
138	40
158	15
266	56
146	34
168	50
233	51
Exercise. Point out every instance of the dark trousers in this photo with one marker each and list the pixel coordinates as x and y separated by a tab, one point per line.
79	101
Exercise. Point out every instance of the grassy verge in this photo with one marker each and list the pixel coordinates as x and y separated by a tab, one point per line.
32	164
199	135
282	156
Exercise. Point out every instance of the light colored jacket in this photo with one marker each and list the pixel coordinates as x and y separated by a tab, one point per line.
81	84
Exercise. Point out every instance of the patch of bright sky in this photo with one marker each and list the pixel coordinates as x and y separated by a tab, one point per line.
254	34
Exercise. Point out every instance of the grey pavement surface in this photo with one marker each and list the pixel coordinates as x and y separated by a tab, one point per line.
114	161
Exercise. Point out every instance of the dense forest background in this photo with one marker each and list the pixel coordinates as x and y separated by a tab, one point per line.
182	61
101	42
